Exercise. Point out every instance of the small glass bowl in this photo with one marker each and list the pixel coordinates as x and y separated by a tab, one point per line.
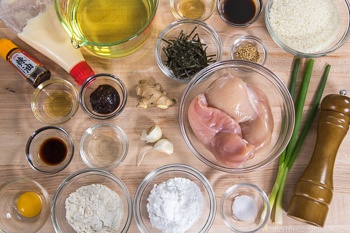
341	36
91	84
207	35
252	199
10	219
55	101
258	9
104	146
246	40
163	174
192	9
35	150
83	178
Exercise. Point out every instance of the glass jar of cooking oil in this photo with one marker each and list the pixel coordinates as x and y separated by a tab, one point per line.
107	28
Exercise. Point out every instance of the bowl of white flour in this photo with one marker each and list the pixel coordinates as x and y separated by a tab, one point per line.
174	199
310	28
91	200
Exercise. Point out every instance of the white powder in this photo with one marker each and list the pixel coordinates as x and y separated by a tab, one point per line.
94	208
307	26
244	208
175	205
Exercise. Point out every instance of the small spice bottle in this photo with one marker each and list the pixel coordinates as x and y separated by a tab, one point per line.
29	68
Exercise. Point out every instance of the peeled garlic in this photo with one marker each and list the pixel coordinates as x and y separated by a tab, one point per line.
152	135
165	146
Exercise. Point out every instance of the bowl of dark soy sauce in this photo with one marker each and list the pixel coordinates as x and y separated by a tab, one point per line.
239	13
49	149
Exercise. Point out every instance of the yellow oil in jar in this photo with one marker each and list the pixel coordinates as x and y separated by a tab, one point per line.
103	22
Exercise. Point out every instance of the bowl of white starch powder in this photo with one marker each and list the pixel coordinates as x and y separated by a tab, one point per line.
309	28
245	208
91	200
174	199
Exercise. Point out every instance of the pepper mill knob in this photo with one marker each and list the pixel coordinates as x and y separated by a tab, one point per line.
314	190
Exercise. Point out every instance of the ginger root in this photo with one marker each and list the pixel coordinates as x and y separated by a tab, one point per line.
152	95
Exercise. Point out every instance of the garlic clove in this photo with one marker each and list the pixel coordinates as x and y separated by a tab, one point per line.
153	134
165	146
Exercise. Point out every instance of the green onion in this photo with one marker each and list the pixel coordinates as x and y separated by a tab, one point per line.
292	150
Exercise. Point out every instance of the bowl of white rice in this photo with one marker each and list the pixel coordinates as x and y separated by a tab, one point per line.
308	28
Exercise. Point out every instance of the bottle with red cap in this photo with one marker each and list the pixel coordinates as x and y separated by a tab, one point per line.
43	31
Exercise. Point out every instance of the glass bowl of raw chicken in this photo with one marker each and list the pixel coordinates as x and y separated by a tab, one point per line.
236	116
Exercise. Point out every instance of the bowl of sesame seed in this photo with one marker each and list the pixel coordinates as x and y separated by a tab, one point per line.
308	29
249	48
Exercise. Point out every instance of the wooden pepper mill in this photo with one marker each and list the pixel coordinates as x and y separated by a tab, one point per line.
314	190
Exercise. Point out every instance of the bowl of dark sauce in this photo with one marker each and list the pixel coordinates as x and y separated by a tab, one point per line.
49	149
103	96
239	13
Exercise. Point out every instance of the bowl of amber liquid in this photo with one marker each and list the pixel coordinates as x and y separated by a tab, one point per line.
107	28
49	149
55	101
192	9
236	116
24	206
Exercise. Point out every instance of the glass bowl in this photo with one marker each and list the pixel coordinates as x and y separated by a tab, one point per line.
163	174
108	36
11	220
104	146
245	208
207	36
239	13
277	95
55	101
192	9
87	177
239	45
103	106
306	41
49	149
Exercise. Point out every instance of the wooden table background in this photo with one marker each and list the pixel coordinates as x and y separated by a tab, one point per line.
17	122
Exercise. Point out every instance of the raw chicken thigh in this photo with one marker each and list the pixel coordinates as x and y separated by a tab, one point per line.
232	119
219	132
245	103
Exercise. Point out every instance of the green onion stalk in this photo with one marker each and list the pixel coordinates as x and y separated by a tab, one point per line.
289	155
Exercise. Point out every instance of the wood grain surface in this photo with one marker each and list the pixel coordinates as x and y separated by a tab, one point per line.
17	122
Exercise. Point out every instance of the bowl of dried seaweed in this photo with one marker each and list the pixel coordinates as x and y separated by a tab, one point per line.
185	47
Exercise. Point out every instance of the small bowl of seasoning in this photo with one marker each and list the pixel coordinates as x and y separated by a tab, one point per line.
55	101
192	9
249	48
91	200
103	96
49	149
174	198
104	146
245	208
24	206
239	13
185	47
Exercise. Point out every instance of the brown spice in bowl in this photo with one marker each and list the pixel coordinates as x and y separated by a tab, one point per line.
248	52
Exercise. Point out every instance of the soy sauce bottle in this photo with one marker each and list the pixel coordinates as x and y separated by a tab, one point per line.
29	68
